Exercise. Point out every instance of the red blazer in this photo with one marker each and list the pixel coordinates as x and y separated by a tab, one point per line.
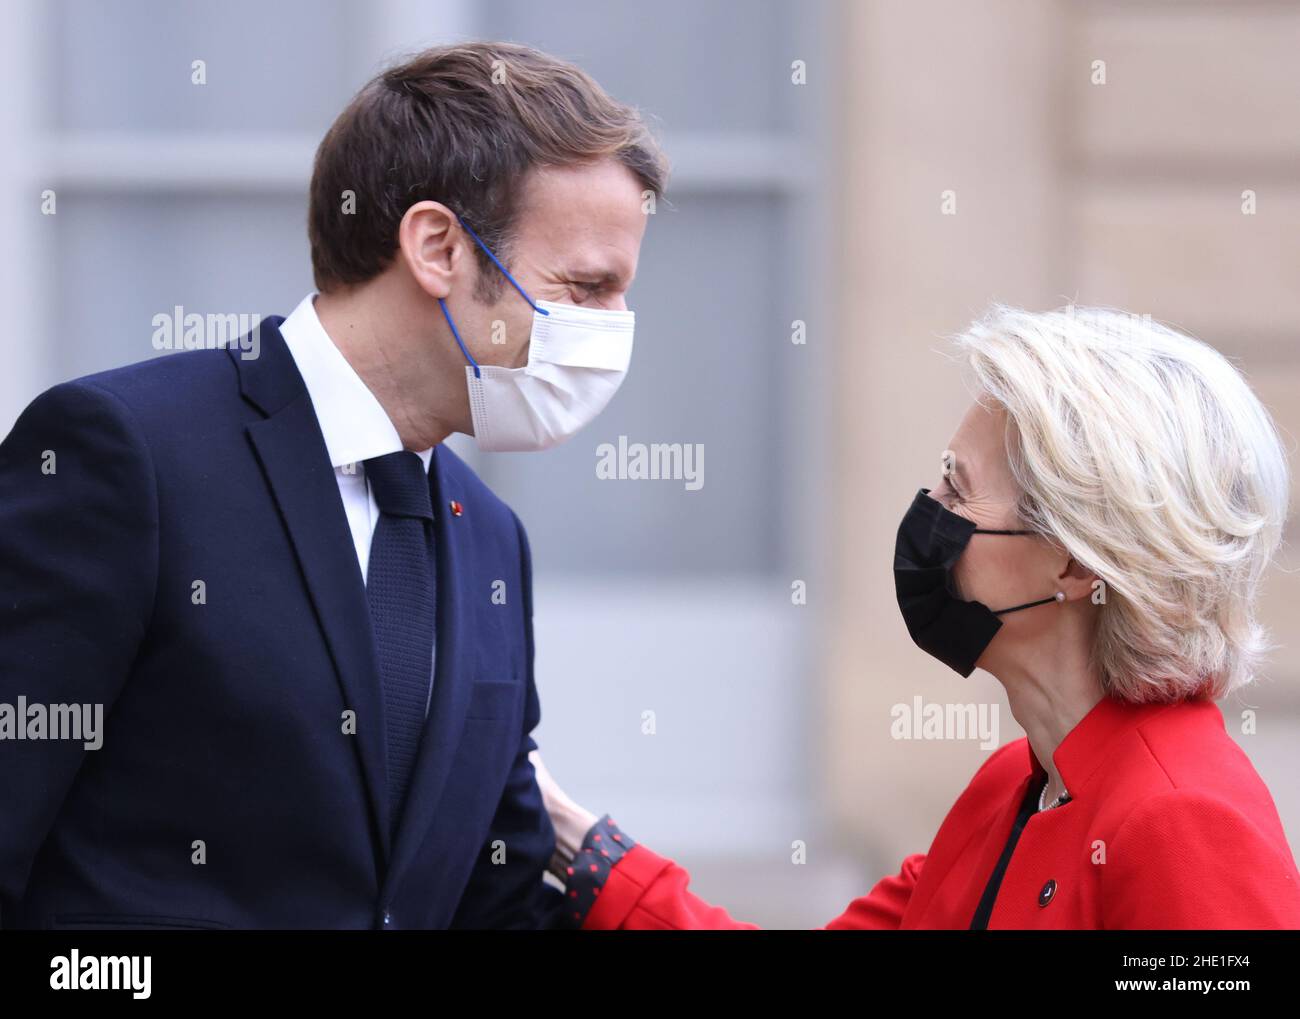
1169	826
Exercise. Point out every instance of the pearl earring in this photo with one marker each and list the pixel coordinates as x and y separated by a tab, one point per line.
1060	596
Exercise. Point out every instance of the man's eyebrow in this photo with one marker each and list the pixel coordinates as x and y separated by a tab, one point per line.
593	275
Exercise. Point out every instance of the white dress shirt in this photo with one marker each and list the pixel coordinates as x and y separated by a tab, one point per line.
353	422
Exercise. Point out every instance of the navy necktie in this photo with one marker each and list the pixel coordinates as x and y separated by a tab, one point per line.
400	589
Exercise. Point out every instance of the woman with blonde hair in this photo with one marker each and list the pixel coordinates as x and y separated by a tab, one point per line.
1106	510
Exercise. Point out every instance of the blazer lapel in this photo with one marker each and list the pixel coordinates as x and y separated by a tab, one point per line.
454	663
293	457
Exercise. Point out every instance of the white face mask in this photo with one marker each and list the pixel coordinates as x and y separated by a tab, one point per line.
577	358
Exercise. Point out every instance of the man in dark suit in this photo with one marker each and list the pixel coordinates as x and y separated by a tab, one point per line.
307	624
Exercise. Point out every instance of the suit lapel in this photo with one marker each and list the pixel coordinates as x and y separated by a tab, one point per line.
454	664
293	457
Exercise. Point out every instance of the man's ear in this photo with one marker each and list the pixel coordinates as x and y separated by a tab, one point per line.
1076	580
432	245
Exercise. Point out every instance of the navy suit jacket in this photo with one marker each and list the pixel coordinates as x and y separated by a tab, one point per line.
229	790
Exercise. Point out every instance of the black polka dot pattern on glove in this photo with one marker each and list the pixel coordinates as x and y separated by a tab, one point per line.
603	847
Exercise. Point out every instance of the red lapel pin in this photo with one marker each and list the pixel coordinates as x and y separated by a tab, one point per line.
456	508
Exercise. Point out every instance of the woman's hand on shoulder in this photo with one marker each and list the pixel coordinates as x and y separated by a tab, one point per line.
569	818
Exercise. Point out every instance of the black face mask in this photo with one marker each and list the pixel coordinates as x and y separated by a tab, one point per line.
930	539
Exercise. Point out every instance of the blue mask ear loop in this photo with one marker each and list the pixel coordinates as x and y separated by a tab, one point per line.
478	374
504	272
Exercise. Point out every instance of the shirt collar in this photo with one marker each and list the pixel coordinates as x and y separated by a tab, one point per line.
352	421
1089	743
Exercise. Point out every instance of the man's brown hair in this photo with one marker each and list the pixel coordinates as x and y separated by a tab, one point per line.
461	125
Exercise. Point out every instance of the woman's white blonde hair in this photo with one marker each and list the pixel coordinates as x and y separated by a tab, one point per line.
1147	457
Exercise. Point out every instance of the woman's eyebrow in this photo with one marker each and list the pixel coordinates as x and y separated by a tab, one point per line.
957	470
